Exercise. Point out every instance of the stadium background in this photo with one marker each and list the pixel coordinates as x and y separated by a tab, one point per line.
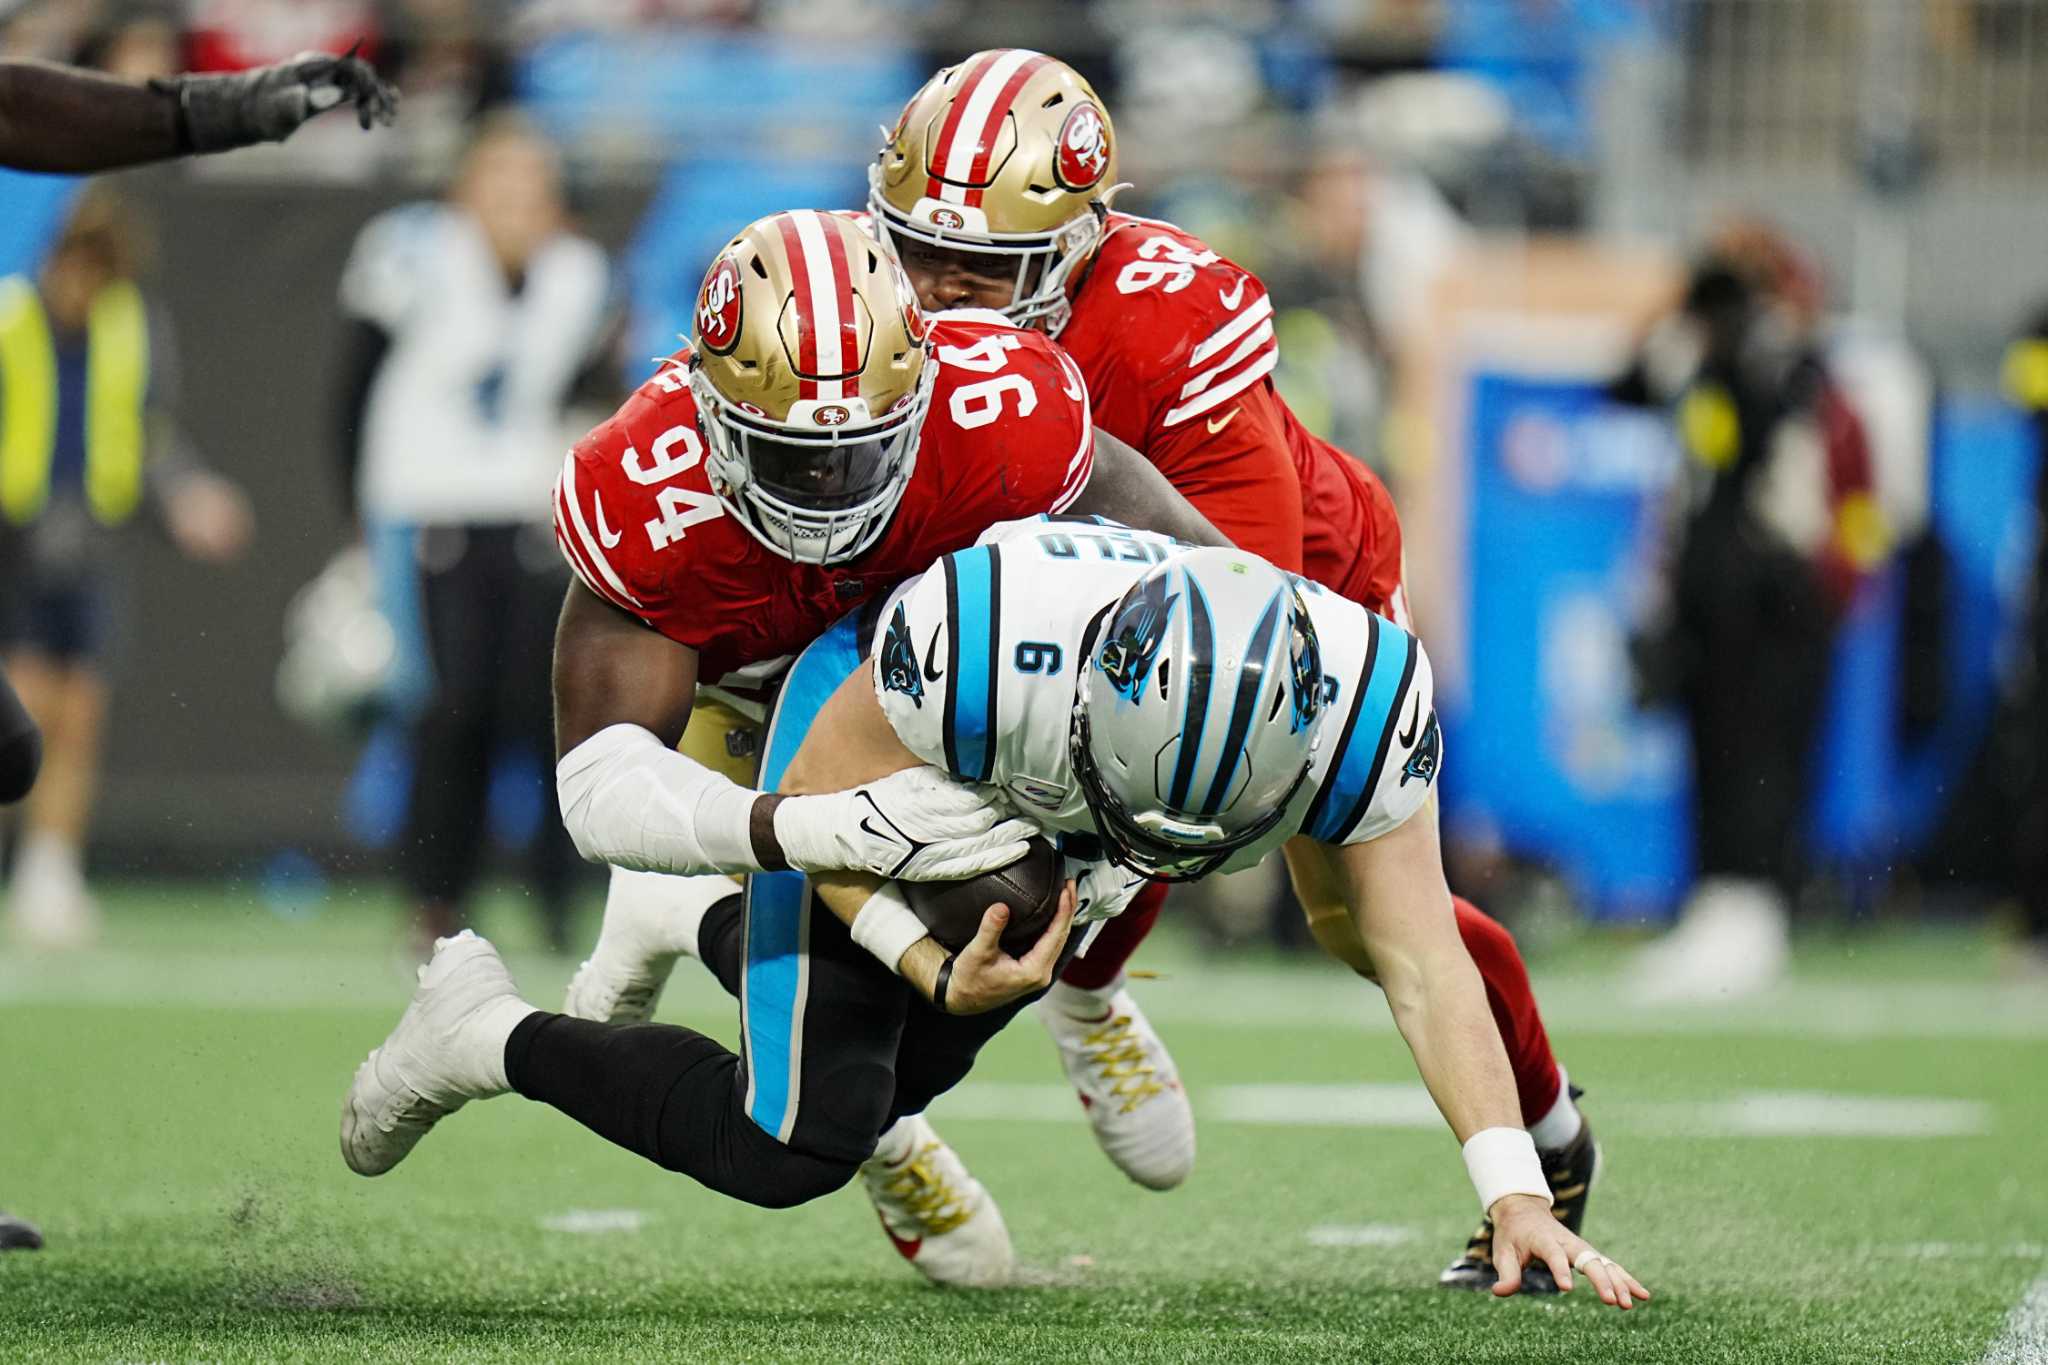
1586	147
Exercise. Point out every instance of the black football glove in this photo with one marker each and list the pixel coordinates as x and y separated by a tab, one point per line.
217	113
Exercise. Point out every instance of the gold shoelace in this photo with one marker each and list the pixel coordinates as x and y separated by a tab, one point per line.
1118	1056
924	1193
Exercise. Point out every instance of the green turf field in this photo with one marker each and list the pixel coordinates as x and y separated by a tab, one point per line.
1854	1170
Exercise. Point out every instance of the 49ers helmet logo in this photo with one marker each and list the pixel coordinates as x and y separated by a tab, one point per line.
718	307
1082	158
948	218
831	415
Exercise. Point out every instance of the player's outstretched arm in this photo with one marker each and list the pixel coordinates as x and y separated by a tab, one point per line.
1401	909
1126	487
622	697
55	118
851	742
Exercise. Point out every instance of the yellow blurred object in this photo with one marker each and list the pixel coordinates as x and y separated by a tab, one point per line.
1861	532
1708	427
2026	374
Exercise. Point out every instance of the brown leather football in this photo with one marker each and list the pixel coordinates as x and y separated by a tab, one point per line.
952	911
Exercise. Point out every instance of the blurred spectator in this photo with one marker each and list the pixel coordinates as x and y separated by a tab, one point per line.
86	437
2026	383
473	321
1778	522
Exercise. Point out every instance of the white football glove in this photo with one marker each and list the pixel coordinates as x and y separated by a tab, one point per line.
1104	891
918	825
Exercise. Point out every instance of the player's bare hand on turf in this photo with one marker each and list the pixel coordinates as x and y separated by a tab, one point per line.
1525	1231
918	825
985	977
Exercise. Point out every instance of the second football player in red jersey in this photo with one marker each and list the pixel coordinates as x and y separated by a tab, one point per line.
993	190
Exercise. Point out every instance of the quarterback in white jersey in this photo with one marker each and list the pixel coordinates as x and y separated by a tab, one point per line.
1168	711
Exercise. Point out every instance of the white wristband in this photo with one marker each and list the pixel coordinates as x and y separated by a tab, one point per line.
1503	1161
886	926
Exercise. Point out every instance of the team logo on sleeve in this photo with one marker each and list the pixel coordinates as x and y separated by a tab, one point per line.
1422	764
718	307
1135	638
899	660
1083	156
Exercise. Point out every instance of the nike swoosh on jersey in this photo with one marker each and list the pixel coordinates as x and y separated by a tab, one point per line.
1234	297
1217	424
932	673
606	534
1407	736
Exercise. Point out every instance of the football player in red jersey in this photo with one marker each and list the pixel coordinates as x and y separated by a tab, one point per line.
994	192
818	444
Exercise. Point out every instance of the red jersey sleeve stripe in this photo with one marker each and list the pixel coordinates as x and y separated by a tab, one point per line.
587	554
1082	466
1261	366
1260	338
1261	309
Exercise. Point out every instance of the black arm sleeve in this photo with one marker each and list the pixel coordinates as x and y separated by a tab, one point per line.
1127	487
21	746
363	348
53	118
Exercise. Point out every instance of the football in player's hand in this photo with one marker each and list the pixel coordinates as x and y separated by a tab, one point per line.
1030	887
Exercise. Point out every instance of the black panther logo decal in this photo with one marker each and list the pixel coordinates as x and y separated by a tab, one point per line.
899	660
1422	764
1306	658
1135	637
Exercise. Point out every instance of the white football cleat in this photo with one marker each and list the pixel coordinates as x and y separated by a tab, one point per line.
650	920
448	1049
1127	1082
1733	940
48	901
938	1216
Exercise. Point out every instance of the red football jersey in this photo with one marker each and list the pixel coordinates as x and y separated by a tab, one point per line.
1007	435
1177	346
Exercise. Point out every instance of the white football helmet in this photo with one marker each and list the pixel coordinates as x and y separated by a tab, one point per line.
1198	712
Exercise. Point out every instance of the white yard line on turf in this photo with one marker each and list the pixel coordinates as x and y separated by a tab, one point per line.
1204	994
2024	1339
596	1221
1751	1114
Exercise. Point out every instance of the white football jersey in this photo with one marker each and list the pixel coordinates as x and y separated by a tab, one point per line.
977	662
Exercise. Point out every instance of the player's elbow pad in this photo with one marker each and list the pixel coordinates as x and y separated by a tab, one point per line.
631	801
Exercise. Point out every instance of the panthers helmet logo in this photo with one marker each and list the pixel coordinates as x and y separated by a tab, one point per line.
1135	637
1305	655
899	660
718	308
1423	763
1083	154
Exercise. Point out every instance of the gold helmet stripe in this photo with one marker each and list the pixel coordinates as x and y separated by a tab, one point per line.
974	123
828	333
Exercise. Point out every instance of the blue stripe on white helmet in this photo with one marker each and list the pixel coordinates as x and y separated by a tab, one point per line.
1196	718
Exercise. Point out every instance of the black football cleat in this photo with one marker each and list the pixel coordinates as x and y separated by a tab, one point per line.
1571	1171
17	1234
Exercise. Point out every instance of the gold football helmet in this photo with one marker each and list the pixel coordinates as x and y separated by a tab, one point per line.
1008	154
812	382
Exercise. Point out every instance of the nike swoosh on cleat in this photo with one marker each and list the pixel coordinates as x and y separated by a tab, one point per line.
907	1247
1414	719
1217	424
1234	297
604	533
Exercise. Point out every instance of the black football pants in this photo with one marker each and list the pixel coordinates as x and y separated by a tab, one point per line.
834	1046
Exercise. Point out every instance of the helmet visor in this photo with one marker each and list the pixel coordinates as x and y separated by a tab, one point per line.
819	476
